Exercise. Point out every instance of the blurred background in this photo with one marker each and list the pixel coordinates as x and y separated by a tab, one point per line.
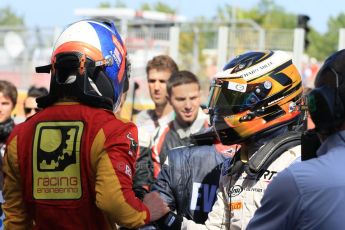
200	35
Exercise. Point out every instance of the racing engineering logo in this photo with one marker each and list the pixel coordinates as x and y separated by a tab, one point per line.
56	160
56	150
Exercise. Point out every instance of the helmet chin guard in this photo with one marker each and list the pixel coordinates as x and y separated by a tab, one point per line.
80	83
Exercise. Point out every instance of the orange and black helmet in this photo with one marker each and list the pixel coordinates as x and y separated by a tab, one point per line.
256	92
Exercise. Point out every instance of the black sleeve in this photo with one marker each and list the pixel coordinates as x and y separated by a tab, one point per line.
143	177
164	183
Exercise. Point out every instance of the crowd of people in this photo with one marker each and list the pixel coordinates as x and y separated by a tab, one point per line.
8	101
247	160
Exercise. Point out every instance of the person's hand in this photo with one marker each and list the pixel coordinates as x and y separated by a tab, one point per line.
156	205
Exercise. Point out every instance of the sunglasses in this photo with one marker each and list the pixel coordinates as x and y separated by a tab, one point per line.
28	110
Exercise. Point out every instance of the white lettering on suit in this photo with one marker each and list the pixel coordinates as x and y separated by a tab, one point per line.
205	193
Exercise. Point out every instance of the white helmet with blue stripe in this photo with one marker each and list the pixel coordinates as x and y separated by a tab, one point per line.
88	63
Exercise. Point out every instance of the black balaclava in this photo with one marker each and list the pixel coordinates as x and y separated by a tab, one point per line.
5	129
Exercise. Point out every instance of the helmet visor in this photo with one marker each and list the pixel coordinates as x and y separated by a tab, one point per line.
230	98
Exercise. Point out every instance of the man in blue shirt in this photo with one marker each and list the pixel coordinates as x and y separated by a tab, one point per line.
311	194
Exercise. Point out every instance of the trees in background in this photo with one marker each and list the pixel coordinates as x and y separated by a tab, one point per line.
266	13
9	18
158	6
328	42
269	15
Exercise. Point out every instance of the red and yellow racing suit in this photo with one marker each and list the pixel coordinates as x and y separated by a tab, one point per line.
70	166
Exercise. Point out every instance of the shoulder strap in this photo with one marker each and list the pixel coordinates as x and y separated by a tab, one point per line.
273	149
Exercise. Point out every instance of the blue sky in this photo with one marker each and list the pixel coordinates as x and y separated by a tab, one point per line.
61	12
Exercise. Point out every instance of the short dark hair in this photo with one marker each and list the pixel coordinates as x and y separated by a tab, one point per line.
162	62
9	90
182	77
37	91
